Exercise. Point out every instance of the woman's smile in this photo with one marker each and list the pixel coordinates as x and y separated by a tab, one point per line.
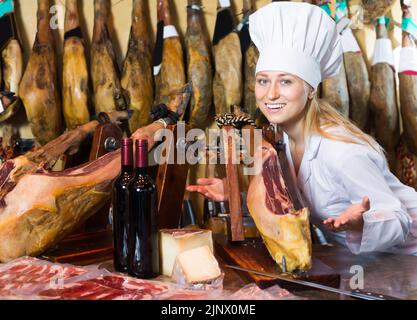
275	106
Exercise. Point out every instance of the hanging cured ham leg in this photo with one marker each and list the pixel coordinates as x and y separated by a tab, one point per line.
285	231
169	67
75	72
11	74
250	58
227	83
200	69
383	98
407	149
108	95
356	74
408	85
12	60
335	89
38	89
137	78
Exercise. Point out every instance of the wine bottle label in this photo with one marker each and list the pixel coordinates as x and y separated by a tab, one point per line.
383	52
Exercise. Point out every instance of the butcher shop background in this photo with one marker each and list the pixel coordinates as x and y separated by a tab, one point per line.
121	23
120	30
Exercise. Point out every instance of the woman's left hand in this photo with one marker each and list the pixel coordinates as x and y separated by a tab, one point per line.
350	219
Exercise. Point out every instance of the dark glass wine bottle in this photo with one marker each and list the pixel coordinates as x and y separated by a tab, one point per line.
121	207
143	253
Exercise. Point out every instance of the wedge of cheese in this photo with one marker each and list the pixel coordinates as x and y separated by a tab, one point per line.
175	241
196	266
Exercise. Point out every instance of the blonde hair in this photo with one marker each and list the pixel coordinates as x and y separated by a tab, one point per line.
321	115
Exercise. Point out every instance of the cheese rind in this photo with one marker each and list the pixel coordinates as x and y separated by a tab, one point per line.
175	241
196	266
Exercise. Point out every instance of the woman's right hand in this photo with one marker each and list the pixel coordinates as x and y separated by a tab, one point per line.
212	188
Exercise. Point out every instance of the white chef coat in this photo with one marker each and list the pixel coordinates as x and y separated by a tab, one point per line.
334	175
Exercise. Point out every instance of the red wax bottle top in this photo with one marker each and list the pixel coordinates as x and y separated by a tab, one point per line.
127	152
141	153
127	142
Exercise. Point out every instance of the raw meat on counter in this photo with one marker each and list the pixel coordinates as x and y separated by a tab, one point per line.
30	278
27	275
35	279
108	287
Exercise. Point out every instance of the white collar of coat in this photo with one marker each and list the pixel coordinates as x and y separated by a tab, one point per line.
312	145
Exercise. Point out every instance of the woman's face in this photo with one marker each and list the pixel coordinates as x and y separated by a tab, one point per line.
282	97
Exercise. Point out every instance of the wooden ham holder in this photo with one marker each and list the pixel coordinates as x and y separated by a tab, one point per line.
93	243
251	253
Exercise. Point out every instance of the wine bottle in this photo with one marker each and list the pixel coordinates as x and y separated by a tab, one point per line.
120	206
143	253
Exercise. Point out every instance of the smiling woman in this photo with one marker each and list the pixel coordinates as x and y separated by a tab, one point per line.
331	160
282	97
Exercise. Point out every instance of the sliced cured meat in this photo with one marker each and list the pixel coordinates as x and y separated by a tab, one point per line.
285	231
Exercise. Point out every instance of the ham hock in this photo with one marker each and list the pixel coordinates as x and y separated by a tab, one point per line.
38	207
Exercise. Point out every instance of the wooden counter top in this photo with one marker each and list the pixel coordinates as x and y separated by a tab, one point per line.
384	273
389	274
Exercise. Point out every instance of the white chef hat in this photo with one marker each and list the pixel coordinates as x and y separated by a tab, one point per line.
298	38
